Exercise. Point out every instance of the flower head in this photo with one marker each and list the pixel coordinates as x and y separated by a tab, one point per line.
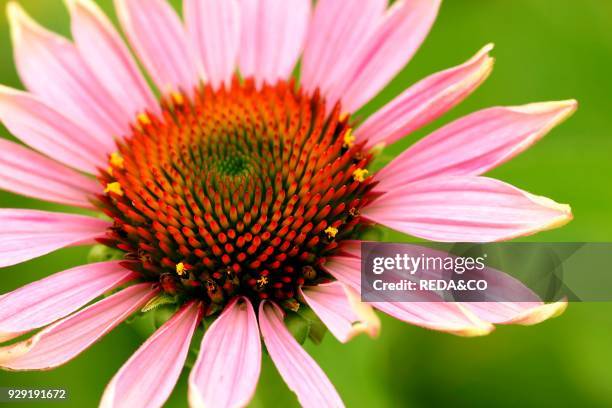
242	198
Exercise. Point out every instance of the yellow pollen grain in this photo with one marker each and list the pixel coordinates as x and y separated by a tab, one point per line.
331	232
144	119
116	160
343	117
180	268
178	98
349	139
109	170
114	187
263	281
360	175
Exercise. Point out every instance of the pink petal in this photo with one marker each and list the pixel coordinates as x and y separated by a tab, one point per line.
158	37
475	144
51	67
426	101
523	313
272	37
44	301
64	340
350	248
148	377
298	369
50	132
508	301
336	32
108	57
386	52
343	314
431	313
466	209
227	369
214	29
28	234
26	172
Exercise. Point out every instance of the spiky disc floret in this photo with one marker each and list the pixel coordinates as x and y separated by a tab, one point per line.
236	191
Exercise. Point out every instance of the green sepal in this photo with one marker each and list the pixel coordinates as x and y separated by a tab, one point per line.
297	326
317	329
102	253
377	234
159	300
163	313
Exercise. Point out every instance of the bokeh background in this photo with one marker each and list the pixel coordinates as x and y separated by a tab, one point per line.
545	50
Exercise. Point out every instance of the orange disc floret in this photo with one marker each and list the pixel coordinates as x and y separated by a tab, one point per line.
235	191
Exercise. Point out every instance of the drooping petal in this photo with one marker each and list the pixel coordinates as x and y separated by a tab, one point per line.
431	313
214	29
227	369
64	340
148	377
50	132
522	313
386	52
466	209
475	144
44	301
298	369
28	234
108	57
50	66
507	300
159	38
272	37
336	32
26	172
425	101
344	317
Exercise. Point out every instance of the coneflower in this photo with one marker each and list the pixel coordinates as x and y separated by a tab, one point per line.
241	193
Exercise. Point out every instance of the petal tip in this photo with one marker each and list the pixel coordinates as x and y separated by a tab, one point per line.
542	313
480	327
18	20
564	210
561	109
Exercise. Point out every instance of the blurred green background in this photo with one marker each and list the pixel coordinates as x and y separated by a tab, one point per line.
545	50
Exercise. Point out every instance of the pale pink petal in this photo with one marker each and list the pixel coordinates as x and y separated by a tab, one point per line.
227	369
298	369
67	338
466	209
272	37
28	234
523	313
387	51
26	172
425	101
337	309
336	32
475	144
214	29
507	300
431	313
159	38
351	248
108	57
50	66
44	301
50	132
148	377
